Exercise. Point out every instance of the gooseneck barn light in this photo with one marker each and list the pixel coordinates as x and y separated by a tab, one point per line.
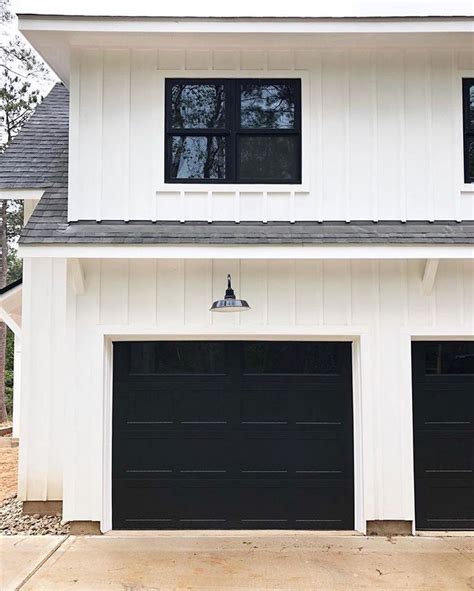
230	303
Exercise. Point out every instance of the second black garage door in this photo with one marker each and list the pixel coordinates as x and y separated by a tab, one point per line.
443	413
232	435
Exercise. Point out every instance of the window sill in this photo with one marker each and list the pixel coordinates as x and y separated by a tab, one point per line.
231	188
467	188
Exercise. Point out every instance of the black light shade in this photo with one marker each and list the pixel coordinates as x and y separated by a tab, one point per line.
230	303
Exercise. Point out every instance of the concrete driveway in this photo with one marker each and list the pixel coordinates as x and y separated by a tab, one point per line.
138	562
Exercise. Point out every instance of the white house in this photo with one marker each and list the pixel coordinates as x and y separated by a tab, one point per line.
326	162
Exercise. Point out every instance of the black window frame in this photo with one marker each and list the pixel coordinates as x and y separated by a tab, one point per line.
232	130
468	127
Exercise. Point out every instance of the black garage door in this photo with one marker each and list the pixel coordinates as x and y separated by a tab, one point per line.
443	413
232	435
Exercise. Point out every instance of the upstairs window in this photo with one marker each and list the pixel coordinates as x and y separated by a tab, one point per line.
233	131
468	101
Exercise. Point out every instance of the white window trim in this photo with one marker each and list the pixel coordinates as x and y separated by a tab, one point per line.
459	133
303	187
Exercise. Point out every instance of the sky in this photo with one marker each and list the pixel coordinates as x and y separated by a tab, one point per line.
296	8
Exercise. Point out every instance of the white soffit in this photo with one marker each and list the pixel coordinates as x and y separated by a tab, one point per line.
249	8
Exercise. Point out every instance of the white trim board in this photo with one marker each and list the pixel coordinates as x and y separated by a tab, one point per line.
88	24
22	194
274	252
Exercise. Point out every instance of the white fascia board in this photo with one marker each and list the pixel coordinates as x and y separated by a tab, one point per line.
249	8
21	194
310	252
78	25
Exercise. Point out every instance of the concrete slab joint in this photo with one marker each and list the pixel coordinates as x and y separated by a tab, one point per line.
389	527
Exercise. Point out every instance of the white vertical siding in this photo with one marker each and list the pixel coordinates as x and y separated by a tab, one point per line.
381	136
43	380
378	302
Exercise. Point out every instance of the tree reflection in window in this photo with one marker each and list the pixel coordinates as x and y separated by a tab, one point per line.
267	106
197	106
197	157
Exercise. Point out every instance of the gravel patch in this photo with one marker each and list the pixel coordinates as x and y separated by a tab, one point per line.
13	522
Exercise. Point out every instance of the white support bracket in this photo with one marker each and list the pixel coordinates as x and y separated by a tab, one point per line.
77	276
11	321
429	276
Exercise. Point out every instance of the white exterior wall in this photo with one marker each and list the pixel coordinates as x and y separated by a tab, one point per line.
66	413
382	135
44	379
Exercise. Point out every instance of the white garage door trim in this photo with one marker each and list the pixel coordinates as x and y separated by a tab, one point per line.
358	371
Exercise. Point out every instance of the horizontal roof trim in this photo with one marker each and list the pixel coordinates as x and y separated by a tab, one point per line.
297	8
251	252
49	225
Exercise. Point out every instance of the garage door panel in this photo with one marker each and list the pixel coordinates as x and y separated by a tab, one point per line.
312	405
187	453
251	505
249	450
280	357
302	457
149	406
444	405
445	503
175	357
168	405
445	454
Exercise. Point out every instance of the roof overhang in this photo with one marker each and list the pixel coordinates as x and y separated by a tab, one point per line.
53	36
268	252
254	8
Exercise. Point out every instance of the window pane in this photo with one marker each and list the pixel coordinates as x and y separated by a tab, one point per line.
300	358
470	157
470	110
270	157
197	157
197	106
267	106
175	358
450	358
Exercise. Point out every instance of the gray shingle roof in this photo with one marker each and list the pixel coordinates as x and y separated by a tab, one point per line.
49	225
38	157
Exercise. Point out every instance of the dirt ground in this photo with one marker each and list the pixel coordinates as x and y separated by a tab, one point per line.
8	471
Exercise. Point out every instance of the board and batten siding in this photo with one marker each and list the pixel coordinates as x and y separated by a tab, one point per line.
382	136
66	369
